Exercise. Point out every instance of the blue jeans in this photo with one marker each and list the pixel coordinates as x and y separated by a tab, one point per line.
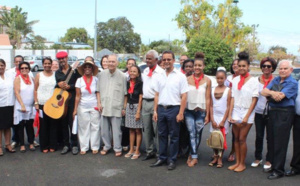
195	124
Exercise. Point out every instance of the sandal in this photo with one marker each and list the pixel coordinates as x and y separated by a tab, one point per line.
45	151
193	162
219	165
118	154
95	151
8	148
82	152
128	155
103	152
231	158
214	161
135	156
22	150
31	147
52	150
1	151
189	159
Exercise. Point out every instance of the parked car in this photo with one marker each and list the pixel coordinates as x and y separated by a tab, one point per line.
35	62
296	73
72	59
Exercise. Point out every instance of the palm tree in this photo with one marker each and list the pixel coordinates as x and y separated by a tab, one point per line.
16	22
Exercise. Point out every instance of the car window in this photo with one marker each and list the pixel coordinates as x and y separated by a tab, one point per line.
296	74
28	58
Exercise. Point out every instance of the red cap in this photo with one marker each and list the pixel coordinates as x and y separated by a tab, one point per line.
61	54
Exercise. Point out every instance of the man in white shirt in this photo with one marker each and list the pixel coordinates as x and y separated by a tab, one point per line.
150	126
14	72
171	89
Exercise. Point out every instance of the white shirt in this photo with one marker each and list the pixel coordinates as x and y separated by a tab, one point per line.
262	100
297	106
87	100
148	82
243	97
170	87
7	95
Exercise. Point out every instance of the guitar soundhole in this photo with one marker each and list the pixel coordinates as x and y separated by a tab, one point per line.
58	97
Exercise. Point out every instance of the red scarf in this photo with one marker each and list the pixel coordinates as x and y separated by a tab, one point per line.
230	84
198	80
182	70
26	80
151	71
266	81
88	85
131	88
17	72
242	81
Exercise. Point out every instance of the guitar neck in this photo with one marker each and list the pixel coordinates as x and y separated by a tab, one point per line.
69	76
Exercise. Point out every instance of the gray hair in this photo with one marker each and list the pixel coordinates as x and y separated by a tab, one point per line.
285	61
115	55
154	53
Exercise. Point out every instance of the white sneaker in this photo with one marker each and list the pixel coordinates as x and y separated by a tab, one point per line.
254	164
36	144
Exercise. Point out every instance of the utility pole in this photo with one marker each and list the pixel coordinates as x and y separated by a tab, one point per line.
95	37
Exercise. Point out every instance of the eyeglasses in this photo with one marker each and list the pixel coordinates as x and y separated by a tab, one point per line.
268	66
24	68
167	60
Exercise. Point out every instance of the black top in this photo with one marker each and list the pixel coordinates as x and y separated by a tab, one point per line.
60	76
138	89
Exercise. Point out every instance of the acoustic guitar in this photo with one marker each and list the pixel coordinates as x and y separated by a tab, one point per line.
57	106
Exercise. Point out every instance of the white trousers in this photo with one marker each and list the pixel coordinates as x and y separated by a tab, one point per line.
115	124
88	128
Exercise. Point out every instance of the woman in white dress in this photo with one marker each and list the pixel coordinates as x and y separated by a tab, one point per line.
23	111
86	108
198	103
44	86
219	109
244	97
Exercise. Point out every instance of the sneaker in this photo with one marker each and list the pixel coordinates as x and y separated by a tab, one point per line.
75	150
65	150
14	145
36	144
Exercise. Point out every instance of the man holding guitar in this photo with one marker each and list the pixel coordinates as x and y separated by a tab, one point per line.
67	121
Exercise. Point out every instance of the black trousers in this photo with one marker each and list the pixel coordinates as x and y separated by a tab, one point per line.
262	123
67	124
295	163
48	131
125	133
282	120
28	125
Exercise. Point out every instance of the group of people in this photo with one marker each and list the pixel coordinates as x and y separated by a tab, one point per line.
166	107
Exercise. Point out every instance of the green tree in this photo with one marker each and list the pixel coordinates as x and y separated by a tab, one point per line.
16	22
79	34
37	42
117	35
277	47
161	45
217	52
199	17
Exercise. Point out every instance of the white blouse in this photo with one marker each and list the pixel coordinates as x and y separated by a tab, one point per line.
262	100
7	95
46	88
243	97
196	97
87	100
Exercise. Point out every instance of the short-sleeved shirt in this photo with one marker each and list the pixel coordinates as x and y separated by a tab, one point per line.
7	95
290	88
297	105
243	97
171	87
148	82
134	97
87	100
112	88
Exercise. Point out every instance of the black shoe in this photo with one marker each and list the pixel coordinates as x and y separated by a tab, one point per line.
65	150
75	150
292	172
158	163
171	166
148	157
275	175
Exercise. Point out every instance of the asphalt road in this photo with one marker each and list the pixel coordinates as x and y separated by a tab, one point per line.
36	168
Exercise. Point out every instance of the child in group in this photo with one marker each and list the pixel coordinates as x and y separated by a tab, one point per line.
219	109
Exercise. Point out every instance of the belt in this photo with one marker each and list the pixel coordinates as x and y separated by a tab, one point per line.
148	99
282	108
168	106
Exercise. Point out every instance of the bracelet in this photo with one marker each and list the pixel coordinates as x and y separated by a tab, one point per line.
36	103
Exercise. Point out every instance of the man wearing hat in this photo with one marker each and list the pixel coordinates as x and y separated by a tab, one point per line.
67	121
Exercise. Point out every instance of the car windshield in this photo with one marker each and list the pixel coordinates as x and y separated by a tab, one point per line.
28	58
296	74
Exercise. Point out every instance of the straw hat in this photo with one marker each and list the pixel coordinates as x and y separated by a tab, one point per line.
95	68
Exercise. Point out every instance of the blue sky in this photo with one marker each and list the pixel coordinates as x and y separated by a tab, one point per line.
277	19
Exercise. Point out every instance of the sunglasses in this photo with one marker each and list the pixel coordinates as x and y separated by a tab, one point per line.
268	66
24	68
